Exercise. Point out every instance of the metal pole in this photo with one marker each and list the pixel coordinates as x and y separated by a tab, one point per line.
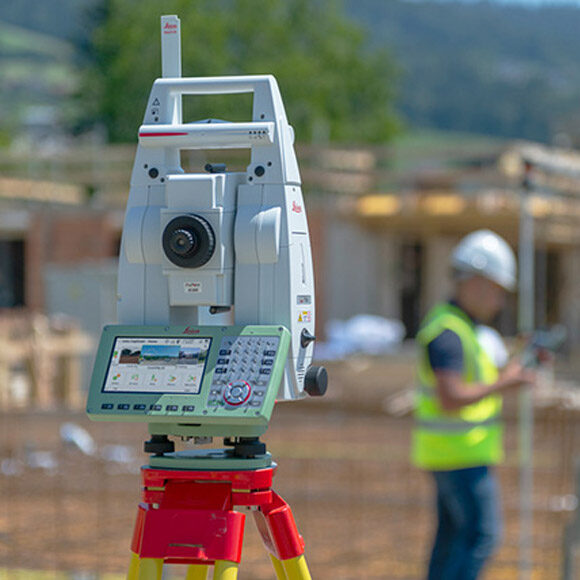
526	409
571	561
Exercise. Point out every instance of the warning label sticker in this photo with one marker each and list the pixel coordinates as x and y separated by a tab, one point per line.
305	316
155	108
192	287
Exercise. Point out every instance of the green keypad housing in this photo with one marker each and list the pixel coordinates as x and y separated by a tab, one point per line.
243	371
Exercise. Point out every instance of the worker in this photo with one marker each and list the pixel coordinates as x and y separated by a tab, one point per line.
458	435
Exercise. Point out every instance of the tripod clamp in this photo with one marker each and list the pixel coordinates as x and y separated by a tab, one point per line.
243	447
159	445
246	447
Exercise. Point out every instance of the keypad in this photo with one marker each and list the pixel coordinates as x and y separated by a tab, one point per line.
242	372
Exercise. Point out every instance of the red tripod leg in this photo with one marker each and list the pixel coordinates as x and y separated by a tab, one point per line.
280	535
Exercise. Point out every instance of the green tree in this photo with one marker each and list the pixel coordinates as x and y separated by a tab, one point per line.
334	86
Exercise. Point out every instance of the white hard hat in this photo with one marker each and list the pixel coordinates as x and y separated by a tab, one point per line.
486	254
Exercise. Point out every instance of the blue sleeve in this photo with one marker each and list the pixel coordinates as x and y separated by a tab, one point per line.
445	352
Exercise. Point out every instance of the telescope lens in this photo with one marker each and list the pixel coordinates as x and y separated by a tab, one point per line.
189	241
183	242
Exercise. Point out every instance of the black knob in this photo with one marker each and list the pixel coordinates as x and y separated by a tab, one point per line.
316	381
189	241
306	338
159	444
215	167
246	447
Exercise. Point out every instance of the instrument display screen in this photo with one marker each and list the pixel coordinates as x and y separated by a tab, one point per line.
157	365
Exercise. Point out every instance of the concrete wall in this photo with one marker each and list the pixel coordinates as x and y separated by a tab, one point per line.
87	292
569	294
359	272
64	237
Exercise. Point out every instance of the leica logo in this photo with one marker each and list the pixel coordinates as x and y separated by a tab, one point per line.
190	330
169	28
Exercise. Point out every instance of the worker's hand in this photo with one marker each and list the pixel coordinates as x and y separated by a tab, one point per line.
515	374
544	356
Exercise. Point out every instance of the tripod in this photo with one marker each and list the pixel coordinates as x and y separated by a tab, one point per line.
187	517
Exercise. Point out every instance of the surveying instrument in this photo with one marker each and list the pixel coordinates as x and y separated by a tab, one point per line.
216	313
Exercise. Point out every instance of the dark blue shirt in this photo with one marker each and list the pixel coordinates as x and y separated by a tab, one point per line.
445	352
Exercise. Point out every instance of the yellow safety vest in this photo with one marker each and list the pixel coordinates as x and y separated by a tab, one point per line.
472	435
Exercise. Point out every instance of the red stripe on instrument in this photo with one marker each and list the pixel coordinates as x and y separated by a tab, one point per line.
161	134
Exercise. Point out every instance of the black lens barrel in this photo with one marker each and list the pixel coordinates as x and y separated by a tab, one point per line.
189	241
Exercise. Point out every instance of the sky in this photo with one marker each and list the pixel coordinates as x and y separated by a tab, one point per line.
520	2
533	2
537	2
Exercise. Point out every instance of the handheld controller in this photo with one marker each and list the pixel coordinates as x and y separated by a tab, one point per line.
549	341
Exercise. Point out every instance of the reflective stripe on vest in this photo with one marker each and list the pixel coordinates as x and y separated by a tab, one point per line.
455	426
471	435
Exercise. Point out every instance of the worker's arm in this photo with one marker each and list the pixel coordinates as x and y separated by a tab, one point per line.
454	393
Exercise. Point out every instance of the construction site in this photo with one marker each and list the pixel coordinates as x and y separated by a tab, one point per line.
69	504
165	300
70	487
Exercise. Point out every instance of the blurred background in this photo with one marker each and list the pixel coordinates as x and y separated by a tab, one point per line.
414	122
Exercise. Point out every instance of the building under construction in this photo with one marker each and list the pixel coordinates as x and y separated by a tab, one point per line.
382	222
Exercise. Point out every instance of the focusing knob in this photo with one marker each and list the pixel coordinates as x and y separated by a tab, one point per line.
188	241
316	381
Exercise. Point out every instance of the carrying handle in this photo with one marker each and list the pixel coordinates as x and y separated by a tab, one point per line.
216	85
167	93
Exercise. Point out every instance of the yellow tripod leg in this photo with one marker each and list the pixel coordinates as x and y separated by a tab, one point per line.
197	572
296	568
278	568
225	570
150	569
133	573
